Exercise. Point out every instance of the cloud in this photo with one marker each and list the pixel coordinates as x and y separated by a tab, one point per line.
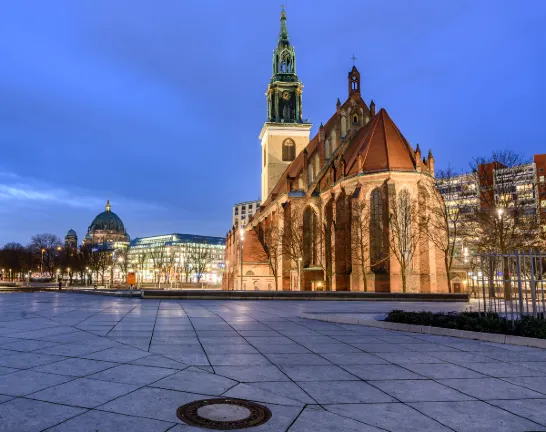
17	190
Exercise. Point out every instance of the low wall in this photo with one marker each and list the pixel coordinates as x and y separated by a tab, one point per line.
301	295
364	320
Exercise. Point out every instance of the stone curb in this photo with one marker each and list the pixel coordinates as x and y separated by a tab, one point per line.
300	295
437	331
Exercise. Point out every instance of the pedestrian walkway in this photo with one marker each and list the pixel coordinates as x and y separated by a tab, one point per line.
72	362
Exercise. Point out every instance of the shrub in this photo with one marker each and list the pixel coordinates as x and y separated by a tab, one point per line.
473	321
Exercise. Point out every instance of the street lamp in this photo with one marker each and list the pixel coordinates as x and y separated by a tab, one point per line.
226	270
42	263
242	233
299	274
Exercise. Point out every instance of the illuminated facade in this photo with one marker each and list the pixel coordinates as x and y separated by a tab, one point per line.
525	184
177	258
242	212
107	231
339	211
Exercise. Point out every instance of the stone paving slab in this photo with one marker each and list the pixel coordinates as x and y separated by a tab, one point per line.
86	363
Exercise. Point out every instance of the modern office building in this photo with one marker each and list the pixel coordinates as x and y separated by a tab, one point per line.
496	184
243	211
177	258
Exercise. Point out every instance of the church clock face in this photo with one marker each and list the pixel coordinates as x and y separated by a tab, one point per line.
286	95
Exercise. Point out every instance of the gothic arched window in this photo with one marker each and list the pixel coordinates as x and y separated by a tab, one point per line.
404	221
310	238
327	149
288	150
343	126
377	230
354	82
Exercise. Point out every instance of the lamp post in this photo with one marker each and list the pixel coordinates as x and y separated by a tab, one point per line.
242	233
299	274
120	261
68	274
42	263
226	271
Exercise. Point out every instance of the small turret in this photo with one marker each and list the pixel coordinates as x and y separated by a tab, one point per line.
372	108
321	133
430	162
354	81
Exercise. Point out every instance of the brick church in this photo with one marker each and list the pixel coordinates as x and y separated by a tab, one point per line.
341	211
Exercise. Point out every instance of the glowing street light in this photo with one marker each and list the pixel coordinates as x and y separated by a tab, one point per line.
242	234
299	273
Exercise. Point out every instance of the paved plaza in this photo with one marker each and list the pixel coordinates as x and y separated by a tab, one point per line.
87	363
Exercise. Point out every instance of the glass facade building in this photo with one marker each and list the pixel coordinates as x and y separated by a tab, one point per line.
183	258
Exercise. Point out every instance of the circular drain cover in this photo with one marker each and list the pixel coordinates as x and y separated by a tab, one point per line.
223	414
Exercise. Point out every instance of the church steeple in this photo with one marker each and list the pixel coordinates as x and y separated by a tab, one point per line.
283	35
284	56
285	134
284	92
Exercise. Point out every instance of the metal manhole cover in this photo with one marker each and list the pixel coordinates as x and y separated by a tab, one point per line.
223	414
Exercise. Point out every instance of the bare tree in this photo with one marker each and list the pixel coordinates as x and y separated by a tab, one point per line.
293	238
185	261
122	260
141	257
170	263
46	248
15	259
444	223
106	263
158	255
200	258
270	235
360	238
506	220
403	235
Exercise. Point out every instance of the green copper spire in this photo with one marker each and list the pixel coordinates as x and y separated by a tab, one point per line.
283	35
284	56
284	91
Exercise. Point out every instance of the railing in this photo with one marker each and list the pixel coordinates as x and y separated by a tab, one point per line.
512	285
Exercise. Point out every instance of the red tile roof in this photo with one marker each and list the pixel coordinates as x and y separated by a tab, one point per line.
382	146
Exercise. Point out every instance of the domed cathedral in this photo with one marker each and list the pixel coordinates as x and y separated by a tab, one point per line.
71	240
346	210
107	230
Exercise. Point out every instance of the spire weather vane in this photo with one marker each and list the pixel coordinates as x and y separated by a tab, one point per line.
353	58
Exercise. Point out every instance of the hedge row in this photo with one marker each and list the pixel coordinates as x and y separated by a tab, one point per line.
473	321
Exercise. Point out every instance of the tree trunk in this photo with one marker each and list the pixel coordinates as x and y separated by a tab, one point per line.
403	274
506	277
448	272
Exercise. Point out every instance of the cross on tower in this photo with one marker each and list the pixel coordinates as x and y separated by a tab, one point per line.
353	58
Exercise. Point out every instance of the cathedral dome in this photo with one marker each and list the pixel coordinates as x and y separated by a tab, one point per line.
71	233
107	221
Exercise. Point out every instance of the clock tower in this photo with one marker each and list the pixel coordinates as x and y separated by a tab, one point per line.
284	134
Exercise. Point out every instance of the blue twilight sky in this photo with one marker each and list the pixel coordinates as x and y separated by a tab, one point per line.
157	105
